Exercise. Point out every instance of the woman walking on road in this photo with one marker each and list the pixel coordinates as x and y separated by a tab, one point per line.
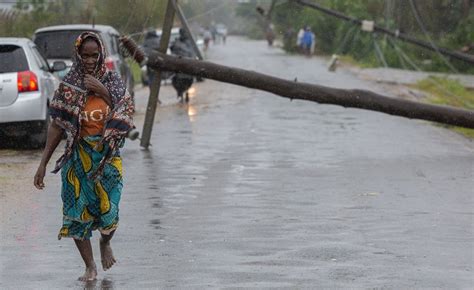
94	109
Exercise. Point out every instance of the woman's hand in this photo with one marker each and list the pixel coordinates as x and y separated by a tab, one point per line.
39	177
94	85
54	137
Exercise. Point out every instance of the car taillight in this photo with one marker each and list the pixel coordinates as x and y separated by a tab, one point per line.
27	81
109	64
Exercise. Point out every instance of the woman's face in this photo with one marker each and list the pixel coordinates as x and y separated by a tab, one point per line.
89	52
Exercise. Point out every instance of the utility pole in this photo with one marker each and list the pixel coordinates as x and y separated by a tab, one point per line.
185	25
156	83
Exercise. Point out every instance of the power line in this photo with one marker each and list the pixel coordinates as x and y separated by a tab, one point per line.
396	34
207	12
140	34
378	52
147	20
343	44
400	52
417	68
129	16
416	13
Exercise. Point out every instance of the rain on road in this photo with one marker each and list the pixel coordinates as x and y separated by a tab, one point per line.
242	188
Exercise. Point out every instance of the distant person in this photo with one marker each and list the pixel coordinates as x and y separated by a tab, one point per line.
184	41
152	40
223	34
213	31
182	82
182	45
270	34
93	107
299	38
307	41
207	38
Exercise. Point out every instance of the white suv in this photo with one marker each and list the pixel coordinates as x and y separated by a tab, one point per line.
26	86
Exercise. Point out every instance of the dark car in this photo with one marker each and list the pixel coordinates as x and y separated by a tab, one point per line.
56	43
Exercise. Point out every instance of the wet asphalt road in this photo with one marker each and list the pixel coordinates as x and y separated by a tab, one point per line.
244	189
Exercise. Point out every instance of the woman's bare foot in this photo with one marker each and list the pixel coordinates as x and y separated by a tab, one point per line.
106	255
89	275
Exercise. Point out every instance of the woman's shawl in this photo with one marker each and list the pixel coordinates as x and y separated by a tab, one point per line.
71	96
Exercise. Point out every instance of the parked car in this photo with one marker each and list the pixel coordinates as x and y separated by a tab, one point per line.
57	43
26	88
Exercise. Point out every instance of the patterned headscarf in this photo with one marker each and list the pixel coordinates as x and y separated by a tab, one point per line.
71	96
78	62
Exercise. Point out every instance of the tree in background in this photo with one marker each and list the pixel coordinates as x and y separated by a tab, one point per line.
256	17
446	21
33	14
204	13
127	16
7	21
131	16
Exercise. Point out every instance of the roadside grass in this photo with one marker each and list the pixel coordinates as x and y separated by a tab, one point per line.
136	71
443	91
350	60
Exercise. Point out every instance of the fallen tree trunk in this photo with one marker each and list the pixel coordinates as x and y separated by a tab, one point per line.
361	99
356	98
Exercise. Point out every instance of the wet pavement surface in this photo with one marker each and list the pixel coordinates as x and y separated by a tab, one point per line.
245	189
399	76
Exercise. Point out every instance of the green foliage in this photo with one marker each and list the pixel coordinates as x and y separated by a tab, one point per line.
448	22
136	70
30	15
447	92
464	32
128	16
252	20
450	92
205	12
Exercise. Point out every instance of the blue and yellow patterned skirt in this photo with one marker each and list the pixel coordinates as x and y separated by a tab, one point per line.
87	204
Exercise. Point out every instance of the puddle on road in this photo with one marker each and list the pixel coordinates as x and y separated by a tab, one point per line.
106	283
156	224
192	112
